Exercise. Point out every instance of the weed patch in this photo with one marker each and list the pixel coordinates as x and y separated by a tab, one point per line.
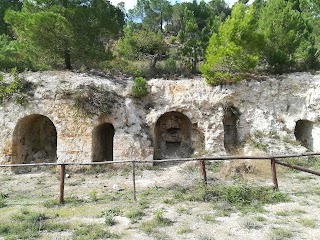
241	196
134	214
280	233
184	229
308	222
158	221
88	232
24	225
110	214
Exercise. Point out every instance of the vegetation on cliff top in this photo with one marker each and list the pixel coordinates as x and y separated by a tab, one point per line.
158	38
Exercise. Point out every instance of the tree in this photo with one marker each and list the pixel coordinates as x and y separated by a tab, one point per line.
235	48
285	32
152	13
137	44
190	39
4	6
77	31
311	12
12	55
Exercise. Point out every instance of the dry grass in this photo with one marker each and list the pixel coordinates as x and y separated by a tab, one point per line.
248	169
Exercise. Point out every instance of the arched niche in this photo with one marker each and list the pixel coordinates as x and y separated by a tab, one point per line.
34	140
172	136
303	133
230	126
102	142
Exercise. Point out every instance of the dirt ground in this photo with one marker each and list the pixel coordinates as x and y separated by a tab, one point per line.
91	194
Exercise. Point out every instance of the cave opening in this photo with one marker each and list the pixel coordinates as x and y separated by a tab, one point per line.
102	142
303	133
230	126
34	140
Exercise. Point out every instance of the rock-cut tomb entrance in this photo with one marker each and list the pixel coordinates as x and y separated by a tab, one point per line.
102	142
34	140
172	136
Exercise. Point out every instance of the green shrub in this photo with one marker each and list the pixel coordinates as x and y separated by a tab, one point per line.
158	221
14	90
109	216
172	39
134	214
139	88
24	225
2	203
170	66
241	196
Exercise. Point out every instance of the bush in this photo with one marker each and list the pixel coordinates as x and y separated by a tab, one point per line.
139	88
172	39
14	90
170	66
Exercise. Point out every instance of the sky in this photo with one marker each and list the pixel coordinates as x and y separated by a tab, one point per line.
129	4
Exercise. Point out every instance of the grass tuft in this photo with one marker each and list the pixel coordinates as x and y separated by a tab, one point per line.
134	214
280	234
308	222
94	231
158	221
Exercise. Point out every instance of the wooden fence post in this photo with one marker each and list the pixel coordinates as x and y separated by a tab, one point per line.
203	171
134	180
274	174
62	177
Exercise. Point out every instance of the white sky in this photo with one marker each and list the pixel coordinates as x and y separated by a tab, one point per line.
130	3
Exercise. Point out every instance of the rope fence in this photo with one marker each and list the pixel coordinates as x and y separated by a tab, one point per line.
202	166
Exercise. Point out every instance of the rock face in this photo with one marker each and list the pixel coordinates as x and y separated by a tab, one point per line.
72	117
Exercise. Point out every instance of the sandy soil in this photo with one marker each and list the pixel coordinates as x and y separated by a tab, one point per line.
296	219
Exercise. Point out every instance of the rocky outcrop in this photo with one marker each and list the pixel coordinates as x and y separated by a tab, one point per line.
279	114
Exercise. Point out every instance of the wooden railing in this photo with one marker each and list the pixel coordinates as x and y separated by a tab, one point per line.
202	163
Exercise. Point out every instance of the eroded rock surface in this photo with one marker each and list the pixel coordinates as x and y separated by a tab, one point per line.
272	115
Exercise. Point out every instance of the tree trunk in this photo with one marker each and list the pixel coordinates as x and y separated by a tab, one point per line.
161	22
154	60
194	61
67	59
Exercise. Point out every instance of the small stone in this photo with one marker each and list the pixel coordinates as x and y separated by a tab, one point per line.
116	187
68	175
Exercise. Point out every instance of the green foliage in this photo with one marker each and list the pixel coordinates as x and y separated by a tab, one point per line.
242	196
308	222
13	90
310	162
134	214
73	32
190	39
2	200
4	6
139	88
93	196
94	231
24	225
12	55
141	44
284	30
170	66
109	216
273	35
280	233
234	49
158	221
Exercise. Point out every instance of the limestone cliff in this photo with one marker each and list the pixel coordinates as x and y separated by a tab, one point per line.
71	117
